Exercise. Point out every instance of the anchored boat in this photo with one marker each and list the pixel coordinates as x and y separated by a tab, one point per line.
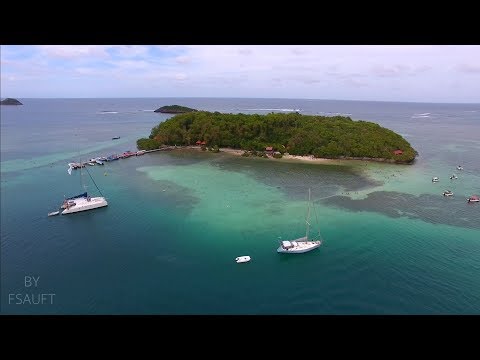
303	244
242	259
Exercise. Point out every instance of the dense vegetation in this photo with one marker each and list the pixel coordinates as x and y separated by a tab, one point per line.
174	109
10	101
326	137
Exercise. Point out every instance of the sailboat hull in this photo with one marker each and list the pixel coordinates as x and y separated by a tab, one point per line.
83	204
299	247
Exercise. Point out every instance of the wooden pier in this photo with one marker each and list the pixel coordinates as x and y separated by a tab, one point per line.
166	148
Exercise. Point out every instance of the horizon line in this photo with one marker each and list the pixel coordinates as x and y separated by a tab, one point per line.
233	97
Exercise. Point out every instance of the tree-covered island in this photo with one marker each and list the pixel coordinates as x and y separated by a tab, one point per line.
174	109
305	135
10	101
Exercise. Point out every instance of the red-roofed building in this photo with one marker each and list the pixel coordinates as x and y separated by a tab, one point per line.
269	148
198	142
203	143
398	152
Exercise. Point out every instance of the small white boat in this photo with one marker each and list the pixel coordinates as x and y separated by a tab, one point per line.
435	179
453	177
474	198
242	259
53	213
459	167
447	193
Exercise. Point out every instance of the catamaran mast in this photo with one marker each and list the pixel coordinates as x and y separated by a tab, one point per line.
308	215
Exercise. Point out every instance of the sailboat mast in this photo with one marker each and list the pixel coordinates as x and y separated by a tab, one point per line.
81	175
308	215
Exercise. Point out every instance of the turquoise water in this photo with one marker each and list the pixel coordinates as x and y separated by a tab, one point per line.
166	243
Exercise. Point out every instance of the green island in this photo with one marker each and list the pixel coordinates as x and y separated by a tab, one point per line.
174	109
10	101
325	137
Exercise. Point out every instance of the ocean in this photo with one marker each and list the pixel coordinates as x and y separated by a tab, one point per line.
176	221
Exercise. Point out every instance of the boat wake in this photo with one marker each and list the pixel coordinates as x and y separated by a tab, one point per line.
107	112
423	115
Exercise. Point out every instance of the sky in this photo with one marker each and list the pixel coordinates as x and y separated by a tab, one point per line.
412	73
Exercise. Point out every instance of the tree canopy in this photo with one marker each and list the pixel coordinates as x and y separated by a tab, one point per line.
320	136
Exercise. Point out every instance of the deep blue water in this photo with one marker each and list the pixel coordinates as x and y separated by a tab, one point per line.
166	243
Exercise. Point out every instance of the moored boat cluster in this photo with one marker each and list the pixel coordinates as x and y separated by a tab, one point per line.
101	159
448	193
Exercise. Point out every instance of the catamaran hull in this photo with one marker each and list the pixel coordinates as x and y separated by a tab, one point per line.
302	248
84	205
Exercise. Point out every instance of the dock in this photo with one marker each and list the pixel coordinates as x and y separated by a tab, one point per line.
166	148
125	155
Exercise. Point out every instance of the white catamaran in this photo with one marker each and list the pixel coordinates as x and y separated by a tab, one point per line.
303	244
82	202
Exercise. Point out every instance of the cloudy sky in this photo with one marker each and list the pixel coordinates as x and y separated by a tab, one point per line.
432	73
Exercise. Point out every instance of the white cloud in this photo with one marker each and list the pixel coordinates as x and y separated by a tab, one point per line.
398	70
74	51
130	50
127	65
355	82
256	70
85	71
469	68
390	70
183	59
299	51
181	76
246	52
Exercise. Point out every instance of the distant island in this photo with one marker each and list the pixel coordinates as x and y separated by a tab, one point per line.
294	134
174	109
10	101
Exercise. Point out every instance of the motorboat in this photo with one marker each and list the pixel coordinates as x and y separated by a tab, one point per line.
435	179
453	177
459	167
474	198
242	259
447	193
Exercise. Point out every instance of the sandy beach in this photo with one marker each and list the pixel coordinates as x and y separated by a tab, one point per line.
287	157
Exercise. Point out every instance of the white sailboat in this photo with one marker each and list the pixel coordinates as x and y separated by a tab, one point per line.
82	202
303	244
